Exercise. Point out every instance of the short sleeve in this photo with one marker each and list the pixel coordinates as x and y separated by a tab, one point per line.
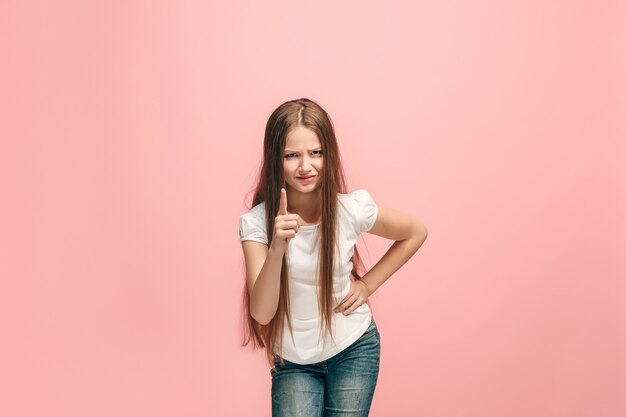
252	227
365	209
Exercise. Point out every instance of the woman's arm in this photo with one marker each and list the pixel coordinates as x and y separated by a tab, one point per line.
263	268
409	234
263	264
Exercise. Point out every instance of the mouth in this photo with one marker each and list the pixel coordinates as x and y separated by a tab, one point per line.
307	179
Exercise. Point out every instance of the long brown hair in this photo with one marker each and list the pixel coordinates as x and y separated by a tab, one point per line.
307	113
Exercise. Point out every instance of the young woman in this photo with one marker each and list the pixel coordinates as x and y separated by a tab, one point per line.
304	300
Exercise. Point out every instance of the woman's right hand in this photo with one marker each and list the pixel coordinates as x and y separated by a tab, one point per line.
285	226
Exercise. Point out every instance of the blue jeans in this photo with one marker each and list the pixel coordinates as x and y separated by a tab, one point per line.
340	386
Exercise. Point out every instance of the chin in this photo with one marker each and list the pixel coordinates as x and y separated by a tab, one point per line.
304	189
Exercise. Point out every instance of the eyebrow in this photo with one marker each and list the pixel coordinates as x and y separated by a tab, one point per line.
314	149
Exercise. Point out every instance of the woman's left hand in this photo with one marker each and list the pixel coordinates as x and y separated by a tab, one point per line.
356	297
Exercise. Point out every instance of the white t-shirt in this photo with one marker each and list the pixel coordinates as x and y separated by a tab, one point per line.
357	213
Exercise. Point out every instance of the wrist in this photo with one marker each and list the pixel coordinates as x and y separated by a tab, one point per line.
272	252
368	286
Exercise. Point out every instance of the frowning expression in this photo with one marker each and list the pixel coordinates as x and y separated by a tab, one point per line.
303	161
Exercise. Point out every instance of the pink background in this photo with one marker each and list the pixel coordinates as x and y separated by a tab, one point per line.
131	137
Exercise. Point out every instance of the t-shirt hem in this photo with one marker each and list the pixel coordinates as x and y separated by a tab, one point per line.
254	240
336	349
374	217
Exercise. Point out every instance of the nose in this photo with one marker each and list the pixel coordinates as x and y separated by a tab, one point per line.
305	166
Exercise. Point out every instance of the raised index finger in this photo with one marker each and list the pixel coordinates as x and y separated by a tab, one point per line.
282	207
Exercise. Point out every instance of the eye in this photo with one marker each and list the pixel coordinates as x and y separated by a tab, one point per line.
317	152
289	155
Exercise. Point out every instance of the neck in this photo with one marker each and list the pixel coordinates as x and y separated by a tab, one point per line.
306	205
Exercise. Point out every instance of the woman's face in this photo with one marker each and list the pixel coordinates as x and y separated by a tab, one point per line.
303	161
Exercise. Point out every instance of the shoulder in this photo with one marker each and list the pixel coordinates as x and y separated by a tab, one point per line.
361	209
252	224
256	212
356	197
352	195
